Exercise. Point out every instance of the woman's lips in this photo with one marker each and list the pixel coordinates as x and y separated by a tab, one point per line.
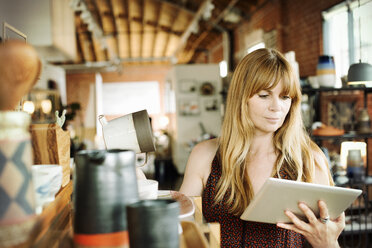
273	120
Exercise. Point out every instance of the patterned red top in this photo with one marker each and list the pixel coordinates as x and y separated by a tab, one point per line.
239	233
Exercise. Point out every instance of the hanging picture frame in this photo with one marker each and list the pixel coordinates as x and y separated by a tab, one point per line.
211	104
187	86
188	107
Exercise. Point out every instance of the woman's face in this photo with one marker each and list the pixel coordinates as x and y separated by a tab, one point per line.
268	109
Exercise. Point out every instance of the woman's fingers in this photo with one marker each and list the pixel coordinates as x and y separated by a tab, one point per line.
297	223
308	213
323	210
290	227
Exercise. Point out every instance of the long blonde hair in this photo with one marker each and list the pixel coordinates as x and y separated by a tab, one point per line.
261	70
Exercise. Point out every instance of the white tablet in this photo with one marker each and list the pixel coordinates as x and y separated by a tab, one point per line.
277	195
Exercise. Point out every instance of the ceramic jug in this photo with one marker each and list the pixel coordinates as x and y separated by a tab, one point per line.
104	183
326	74
132	131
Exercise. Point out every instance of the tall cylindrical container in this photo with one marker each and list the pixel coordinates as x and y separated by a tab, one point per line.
104	183
17	196
326	71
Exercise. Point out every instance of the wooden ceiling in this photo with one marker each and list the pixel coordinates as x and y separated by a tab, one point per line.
153	31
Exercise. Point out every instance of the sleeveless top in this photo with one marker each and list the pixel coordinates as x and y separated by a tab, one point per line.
239	233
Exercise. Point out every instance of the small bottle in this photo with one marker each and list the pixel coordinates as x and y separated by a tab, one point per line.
17	205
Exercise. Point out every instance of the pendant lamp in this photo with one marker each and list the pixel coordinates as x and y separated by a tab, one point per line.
360	73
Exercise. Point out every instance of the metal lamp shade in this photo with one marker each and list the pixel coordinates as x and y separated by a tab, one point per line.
360	73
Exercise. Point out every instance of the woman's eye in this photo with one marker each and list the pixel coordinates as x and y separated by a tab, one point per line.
286	97
263	95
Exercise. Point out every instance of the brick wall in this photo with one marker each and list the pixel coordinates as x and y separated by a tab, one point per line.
298	25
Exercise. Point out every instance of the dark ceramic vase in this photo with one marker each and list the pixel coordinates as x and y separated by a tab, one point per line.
105	182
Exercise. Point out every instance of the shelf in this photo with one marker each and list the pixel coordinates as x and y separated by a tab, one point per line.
360	185
308	90
342	137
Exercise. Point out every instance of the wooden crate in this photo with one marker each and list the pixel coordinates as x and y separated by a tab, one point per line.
51	145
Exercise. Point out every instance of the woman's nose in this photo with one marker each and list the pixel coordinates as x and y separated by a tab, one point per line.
275	104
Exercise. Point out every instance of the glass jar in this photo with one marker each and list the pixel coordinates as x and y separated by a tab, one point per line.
17	205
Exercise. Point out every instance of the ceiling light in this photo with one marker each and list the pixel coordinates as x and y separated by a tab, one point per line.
360	73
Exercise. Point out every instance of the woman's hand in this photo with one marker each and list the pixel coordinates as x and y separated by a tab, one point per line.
321	232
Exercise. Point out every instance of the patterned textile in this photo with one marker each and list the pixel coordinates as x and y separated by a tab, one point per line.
17	201
239	233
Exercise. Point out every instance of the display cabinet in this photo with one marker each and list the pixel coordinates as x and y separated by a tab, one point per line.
344	104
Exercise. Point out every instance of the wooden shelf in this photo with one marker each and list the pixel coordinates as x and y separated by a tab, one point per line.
346	136
54	225
309	90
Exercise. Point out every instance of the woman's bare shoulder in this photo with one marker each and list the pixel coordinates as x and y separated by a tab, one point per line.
207	147
198	167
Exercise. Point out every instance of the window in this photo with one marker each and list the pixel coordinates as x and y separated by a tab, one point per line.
346	34
128	97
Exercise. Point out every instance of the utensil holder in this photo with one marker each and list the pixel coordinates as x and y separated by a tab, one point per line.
51	145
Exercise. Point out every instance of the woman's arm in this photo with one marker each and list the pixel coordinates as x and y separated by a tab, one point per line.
316	232
198	168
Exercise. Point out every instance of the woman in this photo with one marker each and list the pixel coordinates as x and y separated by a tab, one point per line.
262	136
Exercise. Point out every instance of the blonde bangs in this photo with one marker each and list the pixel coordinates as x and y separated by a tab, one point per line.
270	76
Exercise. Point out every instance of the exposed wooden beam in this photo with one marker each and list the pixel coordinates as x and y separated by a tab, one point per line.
150	21
176	5
194	23
135	22
122	32
108	26
156	33
205	33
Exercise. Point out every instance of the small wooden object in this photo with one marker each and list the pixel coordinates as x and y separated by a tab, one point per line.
210	229
192	236
51	145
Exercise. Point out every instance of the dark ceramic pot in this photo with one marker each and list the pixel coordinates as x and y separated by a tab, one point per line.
154	224
104	183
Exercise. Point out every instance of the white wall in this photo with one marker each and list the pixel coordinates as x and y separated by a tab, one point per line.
55	73
186	128
30	17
